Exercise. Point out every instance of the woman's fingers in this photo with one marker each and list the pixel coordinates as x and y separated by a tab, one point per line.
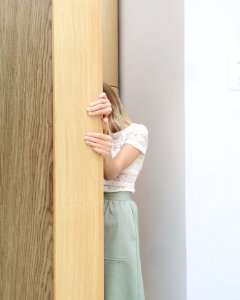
100	109
97	102
102	106
98	105
102	95
95	140
100	143
98	146
100	151
105	125
99	135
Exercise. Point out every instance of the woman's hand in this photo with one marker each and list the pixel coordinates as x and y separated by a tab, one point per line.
102	106
101	143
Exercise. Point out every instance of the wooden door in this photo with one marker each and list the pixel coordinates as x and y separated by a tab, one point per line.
51	183
78	172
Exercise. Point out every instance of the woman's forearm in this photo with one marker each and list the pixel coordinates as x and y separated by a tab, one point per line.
114	166
111	169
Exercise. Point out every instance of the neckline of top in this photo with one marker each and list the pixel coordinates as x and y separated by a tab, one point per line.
120	131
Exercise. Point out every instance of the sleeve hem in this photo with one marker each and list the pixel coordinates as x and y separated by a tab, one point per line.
136	145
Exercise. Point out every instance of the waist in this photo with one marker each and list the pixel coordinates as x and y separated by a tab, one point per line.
120	196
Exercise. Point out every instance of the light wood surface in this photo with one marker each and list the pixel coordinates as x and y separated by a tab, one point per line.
78	171
110	42
48	176
26	150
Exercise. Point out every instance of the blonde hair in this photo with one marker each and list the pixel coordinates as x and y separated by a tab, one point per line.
118	119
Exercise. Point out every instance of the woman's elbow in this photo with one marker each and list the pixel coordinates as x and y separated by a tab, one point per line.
110	176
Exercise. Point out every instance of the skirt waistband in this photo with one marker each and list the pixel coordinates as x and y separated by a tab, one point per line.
121	195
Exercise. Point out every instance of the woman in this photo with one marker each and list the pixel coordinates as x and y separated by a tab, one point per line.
122	145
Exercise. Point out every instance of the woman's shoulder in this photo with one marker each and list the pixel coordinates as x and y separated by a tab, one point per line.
139	128
137	136
132	129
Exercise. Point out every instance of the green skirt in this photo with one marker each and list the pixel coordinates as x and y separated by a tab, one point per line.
122	264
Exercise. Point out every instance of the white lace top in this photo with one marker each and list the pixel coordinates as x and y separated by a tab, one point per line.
137	136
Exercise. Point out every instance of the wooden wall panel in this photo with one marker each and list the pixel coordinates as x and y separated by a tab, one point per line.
25	150
78	171
32	200
110	42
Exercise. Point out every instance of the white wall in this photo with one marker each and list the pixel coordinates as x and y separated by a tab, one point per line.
152	63
152	89
212	38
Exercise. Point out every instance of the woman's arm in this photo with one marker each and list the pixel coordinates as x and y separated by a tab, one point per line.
101	143
125	157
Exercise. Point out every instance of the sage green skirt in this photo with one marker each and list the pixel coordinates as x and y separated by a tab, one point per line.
122	263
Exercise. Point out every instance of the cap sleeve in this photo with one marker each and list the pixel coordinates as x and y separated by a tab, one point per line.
138	138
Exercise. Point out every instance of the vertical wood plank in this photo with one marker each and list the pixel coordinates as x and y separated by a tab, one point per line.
110	42
78	171
25	150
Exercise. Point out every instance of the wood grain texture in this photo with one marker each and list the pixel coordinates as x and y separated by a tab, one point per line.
26	161
78	171
110	42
